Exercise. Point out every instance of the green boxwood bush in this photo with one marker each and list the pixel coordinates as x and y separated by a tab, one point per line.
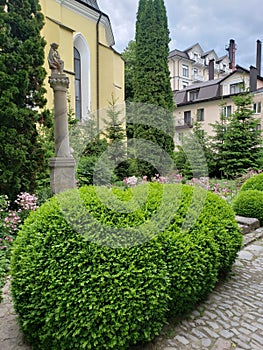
100	268
253	183
249	203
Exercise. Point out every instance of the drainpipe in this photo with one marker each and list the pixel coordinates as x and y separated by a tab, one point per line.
258	65
97	69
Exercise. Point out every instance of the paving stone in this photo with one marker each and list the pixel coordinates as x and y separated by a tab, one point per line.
245	255
222	344
243	345
214	325
211	333
182	340
226	334
258	338
244	330
206	342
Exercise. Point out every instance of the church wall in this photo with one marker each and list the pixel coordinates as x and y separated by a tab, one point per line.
62	23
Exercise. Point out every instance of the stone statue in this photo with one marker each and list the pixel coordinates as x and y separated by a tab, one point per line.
55	63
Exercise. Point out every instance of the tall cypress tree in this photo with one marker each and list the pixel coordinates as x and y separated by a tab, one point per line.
21	94
152	88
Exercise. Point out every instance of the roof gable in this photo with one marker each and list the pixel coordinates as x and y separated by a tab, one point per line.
195	47
178	53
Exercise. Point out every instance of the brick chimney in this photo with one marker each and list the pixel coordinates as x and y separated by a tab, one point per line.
211	69
253	78
232	54
258	64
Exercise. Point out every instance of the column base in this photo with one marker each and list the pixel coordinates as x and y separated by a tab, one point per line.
62	174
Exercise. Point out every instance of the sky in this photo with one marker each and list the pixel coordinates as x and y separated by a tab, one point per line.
211	23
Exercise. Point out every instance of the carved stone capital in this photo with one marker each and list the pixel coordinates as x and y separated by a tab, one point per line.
58	81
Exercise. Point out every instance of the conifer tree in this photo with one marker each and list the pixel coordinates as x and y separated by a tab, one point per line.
22	94
115	132
129	58
152	86
194	156
238	142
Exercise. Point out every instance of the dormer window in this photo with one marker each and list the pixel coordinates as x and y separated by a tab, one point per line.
237	88
193	94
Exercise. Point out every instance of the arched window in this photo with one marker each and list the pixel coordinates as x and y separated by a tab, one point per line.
77	70
82	76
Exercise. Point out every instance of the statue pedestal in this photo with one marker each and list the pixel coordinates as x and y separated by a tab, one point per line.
62	174
62	167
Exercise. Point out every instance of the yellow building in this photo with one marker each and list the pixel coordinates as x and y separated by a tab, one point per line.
85	38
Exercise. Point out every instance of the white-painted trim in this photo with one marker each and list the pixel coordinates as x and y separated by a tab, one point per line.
82	46
90	14
79	8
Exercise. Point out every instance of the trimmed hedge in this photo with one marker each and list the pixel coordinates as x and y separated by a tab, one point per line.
100	268
253	183
249	203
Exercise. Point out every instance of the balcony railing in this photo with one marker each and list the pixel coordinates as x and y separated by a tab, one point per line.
198	61
183	124
198	77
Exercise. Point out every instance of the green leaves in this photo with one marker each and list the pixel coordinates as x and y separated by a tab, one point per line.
249	203
72	293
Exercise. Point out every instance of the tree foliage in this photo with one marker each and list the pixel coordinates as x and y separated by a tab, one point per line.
152	82
194	156
129	56
237	143
22	94
104	152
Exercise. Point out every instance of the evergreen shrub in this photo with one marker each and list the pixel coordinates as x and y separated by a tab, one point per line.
253	183
80	280
249	203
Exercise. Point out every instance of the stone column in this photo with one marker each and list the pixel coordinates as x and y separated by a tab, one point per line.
62	167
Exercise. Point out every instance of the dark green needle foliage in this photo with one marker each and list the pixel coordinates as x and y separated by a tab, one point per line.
238	142
152	82
21	94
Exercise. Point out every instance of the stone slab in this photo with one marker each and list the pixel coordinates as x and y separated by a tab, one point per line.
252	223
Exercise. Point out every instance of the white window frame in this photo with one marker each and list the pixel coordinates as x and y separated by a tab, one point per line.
82	46
236	88
257	107
185	84
227	111
193	95
200	115
187	118
185	70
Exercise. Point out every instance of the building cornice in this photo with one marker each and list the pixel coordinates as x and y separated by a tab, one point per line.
90	13
60	24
